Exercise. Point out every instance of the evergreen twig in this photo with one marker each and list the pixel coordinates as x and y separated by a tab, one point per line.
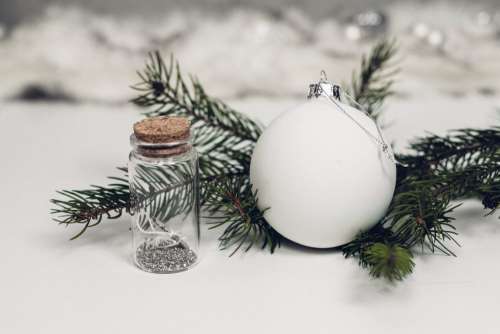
224	138
391	262
233	204
456	150
88	207
373	84
441	170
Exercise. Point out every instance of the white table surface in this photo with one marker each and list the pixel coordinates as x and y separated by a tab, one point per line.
49	284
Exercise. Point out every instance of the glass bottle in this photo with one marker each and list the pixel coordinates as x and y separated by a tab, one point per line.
163	177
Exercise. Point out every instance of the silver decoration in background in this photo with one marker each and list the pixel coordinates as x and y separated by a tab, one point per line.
441	44
430	36
483	24
365	25
429	40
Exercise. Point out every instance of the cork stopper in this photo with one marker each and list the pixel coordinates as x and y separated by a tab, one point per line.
162	136
162	129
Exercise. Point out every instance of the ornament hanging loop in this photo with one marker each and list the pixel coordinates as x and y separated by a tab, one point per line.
332	91
323	76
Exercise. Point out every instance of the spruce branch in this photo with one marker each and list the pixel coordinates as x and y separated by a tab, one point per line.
88	207
378	251
465	163
225	139
391	262
376	234
441	170
166	198
490	195
373	84
420	216
458	149
232	203
225	136
164	89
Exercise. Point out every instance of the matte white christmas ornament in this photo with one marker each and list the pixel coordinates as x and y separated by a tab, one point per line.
324	172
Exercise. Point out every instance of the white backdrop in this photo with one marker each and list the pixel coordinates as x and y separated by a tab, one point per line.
52	285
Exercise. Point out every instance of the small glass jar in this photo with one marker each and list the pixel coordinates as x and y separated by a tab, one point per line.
163	177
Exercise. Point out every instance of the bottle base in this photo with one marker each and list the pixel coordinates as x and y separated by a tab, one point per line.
164	256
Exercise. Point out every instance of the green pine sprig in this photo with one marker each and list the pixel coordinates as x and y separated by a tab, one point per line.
371	86
441	170
225	137
233	204
88	207
391	262
458	149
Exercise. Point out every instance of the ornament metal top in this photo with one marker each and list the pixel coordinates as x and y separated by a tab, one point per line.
333	92
324	87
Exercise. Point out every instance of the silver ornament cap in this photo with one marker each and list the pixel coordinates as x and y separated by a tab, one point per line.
324	88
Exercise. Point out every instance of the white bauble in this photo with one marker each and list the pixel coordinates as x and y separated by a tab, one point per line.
321	176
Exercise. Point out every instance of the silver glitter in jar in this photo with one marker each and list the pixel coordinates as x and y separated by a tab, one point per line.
164	256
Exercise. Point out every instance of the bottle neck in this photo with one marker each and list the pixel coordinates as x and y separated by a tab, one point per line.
160	150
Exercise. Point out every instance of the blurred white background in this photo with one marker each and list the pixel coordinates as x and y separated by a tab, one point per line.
89	50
